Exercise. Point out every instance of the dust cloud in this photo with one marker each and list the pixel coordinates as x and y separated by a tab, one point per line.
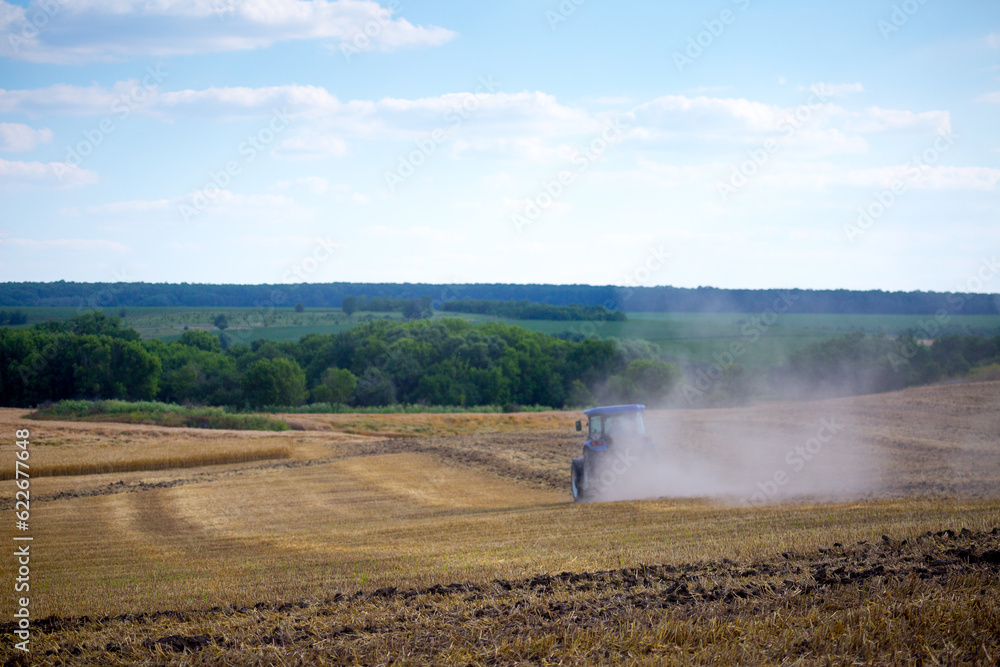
749	456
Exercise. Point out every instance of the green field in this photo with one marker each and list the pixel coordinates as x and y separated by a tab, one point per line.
696	337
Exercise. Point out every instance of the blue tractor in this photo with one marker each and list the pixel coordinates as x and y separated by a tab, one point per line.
616	441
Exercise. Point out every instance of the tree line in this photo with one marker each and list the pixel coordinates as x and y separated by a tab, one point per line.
527	310
852	364
624	299
13	317
446	362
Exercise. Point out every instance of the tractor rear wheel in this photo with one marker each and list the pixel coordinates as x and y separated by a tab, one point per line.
577	480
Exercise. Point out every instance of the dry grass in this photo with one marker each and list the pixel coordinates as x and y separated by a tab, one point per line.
928	599
346	513
123	459
421	424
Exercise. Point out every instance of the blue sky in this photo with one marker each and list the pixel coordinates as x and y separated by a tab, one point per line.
728	143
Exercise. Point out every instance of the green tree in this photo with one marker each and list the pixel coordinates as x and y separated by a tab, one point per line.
299	307
201	340
375	388
652	380
413	310
579	396
96	323
337	386
278	382
220	322
349	305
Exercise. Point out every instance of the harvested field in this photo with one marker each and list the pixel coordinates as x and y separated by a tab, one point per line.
841	604
348	547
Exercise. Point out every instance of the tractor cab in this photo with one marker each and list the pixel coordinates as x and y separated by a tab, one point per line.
612	425
616	437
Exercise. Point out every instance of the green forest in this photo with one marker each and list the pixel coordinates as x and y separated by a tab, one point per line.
527	310
654	299
445	362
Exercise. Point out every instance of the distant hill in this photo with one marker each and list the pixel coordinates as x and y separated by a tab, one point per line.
638	299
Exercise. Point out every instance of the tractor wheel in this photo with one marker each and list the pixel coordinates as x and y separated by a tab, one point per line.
577	480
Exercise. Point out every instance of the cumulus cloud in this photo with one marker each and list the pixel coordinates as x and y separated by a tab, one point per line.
720	112
876	119
823	175
311	144
15	137
85	245
44	175
78	31
68	100
735	117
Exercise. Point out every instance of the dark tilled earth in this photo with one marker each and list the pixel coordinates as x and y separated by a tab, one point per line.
547	617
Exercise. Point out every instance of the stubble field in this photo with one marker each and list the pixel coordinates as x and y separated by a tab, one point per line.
453	539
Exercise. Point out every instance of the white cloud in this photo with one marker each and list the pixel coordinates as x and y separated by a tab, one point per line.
822	175
15	137
519	206
97	30
876	119
992	98
500	180
834	89
68	100
675	116
126	207
417	232
311	144
723	113
993	39
86	245
240	100
44	174
199	207
316	185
